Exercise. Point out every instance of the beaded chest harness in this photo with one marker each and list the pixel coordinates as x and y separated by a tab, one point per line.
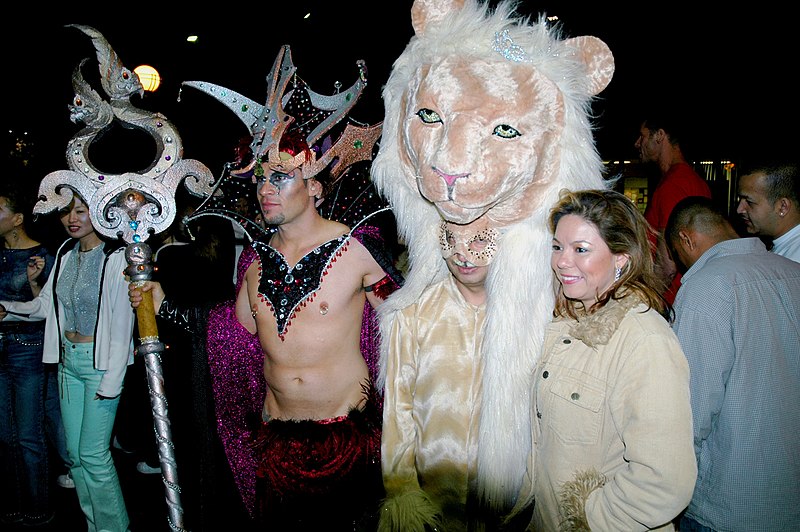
286	290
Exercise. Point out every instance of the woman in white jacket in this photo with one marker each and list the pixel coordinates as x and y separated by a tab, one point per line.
89	332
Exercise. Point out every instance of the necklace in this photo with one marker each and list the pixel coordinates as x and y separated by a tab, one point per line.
88	250
84	253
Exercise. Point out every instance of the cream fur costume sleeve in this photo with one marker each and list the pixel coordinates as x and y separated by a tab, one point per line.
488	115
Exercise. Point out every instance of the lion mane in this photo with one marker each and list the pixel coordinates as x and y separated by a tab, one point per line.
488	114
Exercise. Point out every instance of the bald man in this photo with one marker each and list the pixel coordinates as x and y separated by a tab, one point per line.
736	316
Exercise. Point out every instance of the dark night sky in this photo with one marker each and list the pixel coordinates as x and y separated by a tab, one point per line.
731	70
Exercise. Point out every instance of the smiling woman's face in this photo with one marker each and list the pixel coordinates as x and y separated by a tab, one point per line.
76	220
581	260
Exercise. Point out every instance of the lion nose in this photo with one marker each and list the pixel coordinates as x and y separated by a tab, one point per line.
450	179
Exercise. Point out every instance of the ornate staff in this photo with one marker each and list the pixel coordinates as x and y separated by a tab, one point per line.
131	206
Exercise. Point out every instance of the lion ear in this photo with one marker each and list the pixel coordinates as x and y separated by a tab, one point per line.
426	12
597	57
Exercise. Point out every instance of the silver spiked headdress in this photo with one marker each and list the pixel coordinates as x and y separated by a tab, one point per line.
333	140
293	109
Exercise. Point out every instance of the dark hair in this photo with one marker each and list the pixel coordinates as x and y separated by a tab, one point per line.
18	191
673	122
780	181
19	199
69	206
624	230
695	212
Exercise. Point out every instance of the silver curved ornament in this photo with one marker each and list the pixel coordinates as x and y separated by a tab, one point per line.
130	206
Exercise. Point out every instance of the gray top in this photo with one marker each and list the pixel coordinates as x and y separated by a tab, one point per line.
78	289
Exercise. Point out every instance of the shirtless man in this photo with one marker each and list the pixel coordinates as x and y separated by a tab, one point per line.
304	296
308	292
313	364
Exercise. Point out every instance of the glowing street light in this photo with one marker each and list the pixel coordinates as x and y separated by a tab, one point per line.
149	77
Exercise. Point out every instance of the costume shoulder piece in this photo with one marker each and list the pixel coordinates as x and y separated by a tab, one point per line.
287	289
371	237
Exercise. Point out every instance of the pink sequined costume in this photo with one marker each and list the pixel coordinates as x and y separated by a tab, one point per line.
236	365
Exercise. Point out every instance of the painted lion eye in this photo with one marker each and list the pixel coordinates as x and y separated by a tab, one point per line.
506	132
429	116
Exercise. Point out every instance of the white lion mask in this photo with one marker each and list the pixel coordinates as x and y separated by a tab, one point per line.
487	118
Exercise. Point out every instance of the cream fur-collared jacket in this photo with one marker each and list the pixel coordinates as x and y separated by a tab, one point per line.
612	423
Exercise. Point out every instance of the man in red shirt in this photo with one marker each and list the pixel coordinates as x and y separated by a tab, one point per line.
659	143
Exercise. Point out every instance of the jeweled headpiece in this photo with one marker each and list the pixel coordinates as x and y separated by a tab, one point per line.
293	109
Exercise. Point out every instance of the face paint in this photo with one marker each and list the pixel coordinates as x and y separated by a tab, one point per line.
278	180
476	242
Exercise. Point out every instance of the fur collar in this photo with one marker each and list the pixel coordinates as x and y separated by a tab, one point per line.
597	328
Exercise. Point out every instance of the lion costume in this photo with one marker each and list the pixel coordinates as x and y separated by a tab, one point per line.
487	118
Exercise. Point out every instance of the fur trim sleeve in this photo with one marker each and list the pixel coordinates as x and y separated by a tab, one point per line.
572	500
410	511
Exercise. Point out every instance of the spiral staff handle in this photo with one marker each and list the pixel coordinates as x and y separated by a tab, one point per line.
140	270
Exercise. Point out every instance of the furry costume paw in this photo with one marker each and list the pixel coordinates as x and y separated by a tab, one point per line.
412	511
572	500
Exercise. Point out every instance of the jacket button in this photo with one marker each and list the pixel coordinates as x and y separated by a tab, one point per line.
545	374
575	396
567	341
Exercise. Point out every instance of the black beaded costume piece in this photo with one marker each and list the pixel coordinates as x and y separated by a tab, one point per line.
286	288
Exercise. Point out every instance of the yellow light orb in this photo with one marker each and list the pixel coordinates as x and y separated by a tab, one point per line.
148	76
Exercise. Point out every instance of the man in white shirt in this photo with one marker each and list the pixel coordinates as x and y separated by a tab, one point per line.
769	204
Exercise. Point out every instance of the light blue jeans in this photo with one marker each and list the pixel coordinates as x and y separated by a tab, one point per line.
53	426
87	426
